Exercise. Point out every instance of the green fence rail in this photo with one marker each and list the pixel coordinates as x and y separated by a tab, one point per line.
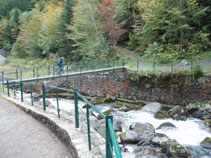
110	137
168	65
138	65
52	70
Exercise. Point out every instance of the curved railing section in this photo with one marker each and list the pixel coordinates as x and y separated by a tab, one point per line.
111	142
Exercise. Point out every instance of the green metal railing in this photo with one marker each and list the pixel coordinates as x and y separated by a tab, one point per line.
138	64
52	70
167	65
110	138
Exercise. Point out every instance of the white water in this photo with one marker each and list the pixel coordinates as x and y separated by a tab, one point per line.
188	133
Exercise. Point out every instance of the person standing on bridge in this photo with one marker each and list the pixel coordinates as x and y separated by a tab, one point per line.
60	64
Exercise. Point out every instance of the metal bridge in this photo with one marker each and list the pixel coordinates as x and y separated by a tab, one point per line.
43	73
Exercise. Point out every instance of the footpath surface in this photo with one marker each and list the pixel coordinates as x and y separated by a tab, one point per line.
21	136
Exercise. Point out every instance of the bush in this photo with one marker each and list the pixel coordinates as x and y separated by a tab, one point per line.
197	71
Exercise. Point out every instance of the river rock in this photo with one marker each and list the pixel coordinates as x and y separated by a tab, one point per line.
145	139
206	143
178	113
142	128
161	114
173	149
145	152
166	125
198	114
117	126
130	137
107	112
191	108
152	107
159	139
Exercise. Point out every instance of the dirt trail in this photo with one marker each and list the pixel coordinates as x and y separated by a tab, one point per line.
21	136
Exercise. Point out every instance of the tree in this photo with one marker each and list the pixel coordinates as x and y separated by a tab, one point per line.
173	25
112	28
64	44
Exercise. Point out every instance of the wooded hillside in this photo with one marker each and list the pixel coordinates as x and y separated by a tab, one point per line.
93	29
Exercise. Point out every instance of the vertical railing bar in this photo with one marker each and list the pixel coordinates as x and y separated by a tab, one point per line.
17	73
88	126
14	89
57	101
21	87
43	94
76	108
2	77
8	91
32	100
108	138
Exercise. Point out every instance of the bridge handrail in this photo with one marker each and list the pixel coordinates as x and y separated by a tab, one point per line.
111	140
37	71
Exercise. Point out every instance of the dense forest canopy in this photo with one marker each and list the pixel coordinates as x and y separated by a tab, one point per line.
90	29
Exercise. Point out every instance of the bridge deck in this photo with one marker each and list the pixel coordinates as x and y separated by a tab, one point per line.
72	74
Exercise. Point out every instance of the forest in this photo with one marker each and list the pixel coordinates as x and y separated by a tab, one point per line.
95	29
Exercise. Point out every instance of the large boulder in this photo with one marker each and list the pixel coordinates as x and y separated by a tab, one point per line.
206	143
129	137
161	114
172	148
152	107
142	128
191	108
198	114
159	139
178	113
166	125
145	152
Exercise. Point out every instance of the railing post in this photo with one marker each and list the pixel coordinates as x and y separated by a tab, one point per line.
33	72
67	69
191	63
21	74
17	73
32	101
57	101
172	65
14	89
123	62
8	90
76	108
49	70
21	87
53	71
43	96
88	125
153	64
2	77
109	144
37	73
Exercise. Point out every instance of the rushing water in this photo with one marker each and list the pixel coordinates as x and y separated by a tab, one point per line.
188	133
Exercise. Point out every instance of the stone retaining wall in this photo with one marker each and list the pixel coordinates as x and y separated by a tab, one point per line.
170	89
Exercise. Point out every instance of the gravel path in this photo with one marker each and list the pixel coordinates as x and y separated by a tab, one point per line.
21	136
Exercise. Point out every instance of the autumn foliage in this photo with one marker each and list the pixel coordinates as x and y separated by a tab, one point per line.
113	29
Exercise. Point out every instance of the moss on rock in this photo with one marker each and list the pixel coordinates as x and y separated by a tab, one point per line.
161	114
